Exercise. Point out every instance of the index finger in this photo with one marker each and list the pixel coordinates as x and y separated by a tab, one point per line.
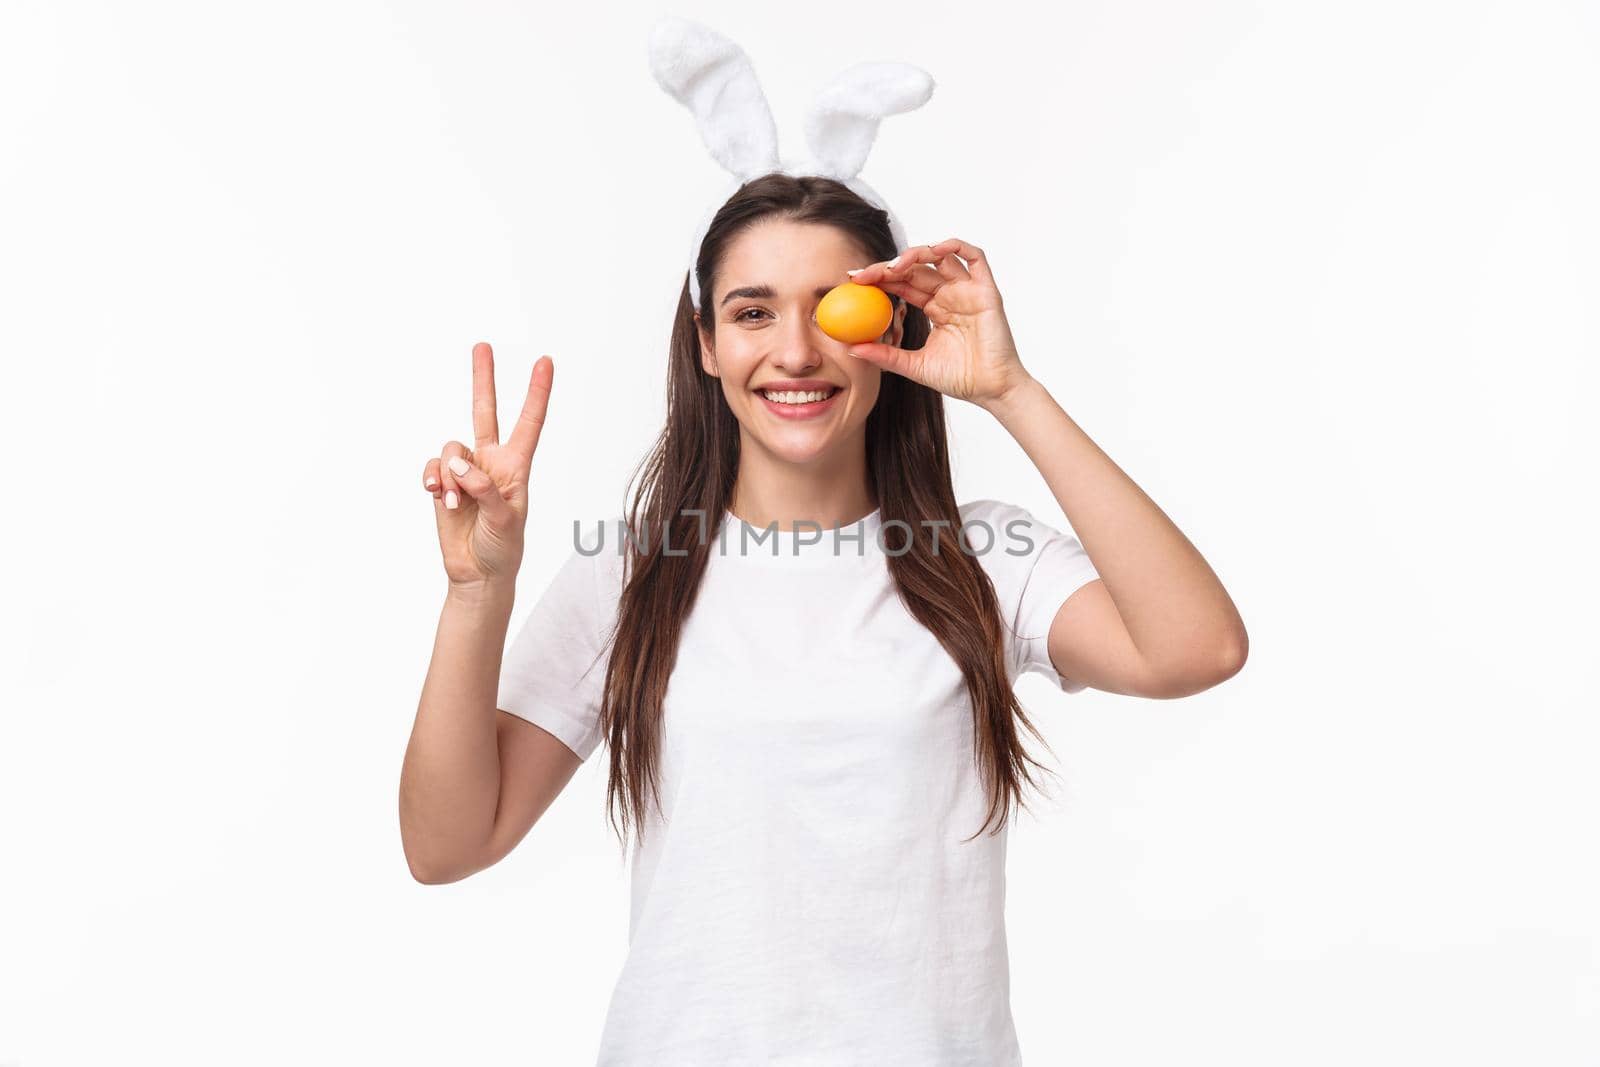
525	435
977	265
485	427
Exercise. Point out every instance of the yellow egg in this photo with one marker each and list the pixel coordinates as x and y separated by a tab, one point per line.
855	313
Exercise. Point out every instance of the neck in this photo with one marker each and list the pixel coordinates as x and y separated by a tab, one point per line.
829	491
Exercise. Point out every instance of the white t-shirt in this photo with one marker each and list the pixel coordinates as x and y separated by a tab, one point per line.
808	899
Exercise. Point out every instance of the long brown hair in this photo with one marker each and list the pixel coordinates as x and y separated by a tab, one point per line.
691	468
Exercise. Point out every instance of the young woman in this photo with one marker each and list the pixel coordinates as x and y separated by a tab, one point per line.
815	737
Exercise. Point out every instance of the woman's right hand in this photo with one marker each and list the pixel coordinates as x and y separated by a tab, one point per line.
480	494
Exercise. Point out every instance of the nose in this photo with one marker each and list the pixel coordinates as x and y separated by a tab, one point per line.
798	353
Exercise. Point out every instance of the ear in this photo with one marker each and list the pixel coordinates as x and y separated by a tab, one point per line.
844	116
712	76
897	328
708	351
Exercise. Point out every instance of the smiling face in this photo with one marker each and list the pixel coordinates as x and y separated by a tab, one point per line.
797	393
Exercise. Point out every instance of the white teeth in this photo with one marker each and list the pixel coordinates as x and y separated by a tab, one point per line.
798	398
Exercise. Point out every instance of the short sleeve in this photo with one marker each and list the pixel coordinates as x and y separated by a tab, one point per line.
553	671
1035	568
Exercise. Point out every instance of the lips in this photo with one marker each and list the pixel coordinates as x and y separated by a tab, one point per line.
797	385
808	410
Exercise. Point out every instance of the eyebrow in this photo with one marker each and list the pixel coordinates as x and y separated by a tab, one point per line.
767	292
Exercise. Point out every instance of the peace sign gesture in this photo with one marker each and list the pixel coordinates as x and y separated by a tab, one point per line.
480	495
969	354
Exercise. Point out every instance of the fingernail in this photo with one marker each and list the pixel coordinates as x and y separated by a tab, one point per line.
451	500
458	466
858	270
893	262
430	482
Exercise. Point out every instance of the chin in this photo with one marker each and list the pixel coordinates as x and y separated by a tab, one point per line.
799	441
799	447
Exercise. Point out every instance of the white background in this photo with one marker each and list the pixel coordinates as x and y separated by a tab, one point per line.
1321	277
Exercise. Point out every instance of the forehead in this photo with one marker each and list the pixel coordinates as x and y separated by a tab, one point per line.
788	255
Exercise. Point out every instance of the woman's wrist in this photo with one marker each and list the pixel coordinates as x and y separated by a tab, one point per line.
1009	404
482	594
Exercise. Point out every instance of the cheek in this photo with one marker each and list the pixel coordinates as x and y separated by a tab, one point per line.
866	380
732	359
737	366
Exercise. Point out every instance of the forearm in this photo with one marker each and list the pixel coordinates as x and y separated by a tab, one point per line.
450	780
1171	601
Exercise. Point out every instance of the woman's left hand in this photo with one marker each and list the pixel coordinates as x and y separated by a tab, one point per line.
969	353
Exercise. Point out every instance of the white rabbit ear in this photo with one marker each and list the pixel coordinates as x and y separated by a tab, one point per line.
845	113
713	77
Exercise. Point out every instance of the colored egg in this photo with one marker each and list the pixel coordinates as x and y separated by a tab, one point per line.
855	313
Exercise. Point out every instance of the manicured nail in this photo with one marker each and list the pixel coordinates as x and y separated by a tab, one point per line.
451	500
458	466
893	262
431	482
858	270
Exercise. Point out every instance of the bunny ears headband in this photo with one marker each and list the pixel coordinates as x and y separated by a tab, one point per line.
713	77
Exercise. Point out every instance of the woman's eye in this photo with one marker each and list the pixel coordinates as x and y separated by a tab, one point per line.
740	316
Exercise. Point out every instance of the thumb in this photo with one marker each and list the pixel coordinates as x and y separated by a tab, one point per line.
482	489
888	357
